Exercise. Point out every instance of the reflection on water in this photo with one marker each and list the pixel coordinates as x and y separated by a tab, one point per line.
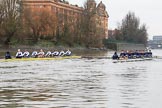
80	83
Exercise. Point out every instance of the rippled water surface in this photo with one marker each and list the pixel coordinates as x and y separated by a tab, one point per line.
81	83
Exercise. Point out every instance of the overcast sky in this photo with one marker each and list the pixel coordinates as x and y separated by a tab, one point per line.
148	11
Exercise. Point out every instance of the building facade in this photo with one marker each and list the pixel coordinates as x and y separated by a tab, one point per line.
157	38
156	43
62	8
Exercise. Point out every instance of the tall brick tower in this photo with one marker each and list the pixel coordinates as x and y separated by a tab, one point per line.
103	16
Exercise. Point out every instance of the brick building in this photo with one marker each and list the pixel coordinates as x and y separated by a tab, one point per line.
62	8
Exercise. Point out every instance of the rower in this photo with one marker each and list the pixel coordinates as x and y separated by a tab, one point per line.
55	53
68	53
48	54
7	55
34	54
123	54
136	54
19	54
26	54
41	54
62	53
149	53
115	56
130	55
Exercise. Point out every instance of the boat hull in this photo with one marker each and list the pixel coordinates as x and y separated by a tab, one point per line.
38	59
131	60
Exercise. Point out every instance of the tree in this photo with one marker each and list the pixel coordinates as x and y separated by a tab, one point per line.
131	31
9	19
1	19
142	37
129	27
40	23
90	29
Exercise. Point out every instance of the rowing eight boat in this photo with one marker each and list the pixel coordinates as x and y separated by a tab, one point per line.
36	59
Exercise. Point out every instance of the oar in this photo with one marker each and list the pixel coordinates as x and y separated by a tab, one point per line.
96	57
157	57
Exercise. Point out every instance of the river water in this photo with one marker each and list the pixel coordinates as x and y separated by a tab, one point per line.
81	83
